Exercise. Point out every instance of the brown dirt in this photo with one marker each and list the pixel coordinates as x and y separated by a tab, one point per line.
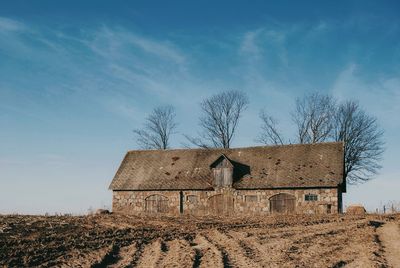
179	254
207	253
389	234
127	241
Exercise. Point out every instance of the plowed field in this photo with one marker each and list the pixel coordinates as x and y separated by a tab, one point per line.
128	241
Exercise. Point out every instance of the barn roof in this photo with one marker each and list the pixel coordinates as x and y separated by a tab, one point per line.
285	166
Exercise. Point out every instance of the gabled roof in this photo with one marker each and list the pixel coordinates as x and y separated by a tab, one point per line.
217	161
286	166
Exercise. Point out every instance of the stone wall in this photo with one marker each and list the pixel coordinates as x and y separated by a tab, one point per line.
245	202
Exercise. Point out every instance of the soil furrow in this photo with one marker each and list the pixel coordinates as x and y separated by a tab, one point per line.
126	255
210	255
197	258
151	255
271	241
140	246
256	251
179	254
77	259
231	251
110	258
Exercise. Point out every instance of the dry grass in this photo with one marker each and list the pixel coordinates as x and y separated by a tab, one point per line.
127	241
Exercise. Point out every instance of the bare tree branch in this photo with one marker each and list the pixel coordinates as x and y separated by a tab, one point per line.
363	141
157	129
319	118
313	117
270	133
221	114
196	141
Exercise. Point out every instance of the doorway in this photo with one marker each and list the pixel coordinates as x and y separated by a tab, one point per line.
282	203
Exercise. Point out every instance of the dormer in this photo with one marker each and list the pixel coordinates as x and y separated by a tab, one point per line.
222	170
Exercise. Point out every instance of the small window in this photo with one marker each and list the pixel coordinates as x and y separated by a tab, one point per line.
191	198
250	198
311	197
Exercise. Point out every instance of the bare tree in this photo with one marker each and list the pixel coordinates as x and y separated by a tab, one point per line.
157	129
363	141
221	114
313	116
269	133
321	118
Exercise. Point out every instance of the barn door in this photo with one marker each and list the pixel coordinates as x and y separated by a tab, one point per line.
282	203
156	204
221	204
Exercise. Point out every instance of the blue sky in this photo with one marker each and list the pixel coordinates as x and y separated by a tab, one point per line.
77	76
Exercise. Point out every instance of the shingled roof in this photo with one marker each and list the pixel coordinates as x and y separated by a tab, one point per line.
286	166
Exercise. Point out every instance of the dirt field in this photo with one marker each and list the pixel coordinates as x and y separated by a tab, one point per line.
122	241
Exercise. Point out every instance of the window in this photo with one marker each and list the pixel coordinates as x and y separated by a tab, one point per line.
250	198
191	199
311	197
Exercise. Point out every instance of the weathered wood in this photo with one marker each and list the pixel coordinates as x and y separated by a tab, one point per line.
282	203
156	204
221	204
223	173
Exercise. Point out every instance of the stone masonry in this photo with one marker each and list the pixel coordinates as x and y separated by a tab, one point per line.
246	202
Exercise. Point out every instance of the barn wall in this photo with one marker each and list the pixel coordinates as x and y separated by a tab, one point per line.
246	202
262	205
133	202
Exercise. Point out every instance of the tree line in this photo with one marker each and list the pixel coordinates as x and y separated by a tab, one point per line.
316	117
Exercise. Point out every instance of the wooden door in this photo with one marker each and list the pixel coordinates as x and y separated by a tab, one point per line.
220	205
282	203
156	204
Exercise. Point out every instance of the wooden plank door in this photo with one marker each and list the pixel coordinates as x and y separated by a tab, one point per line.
220	205
156	204
282	203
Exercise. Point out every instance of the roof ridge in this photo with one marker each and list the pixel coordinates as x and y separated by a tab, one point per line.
237	148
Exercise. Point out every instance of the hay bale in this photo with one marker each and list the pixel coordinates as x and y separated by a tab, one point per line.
356	210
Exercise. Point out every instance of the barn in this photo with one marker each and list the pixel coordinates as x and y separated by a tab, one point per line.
298	178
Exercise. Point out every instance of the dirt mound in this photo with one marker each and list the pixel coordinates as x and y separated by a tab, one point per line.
356	210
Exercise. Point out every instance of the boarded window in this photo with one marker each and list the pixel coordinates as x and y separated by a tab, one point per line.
311	197
192	199
156	204
250	198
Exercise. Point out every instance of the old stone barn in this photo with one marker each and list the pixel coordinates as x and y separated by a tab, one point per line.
306	178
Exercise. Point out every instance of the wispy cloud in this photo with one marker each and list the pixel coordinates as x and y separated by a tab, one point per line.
163	50
10	25
380	97
249	44
106	63
109	42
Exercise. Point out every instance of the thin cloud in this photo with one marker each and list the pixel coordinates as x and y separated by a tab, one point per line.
97	65
381	96
249	44
10	25
117	39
